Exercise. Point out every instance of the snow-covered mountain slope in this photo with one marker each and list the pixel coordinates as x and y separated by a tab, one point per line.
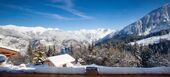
155	21
152	40
19	36
107	37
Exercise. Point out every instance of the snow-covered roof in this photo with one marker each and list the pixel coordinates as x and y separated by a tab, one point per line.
17	50
61	59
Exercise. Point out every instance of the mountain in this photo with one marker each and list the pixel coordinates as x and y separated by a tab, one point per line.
155	21
19	36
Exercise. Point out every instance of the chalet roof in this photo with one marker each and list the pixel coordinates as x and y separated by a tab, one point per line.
9	48
61	59
7	51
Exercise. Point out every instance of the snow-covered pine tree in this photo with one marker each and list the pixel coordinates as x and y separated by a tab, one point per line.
30	52
39	55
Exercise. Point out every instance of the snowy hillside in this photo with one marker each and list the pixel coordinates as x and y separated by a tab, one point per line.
19	36
152	40
155	21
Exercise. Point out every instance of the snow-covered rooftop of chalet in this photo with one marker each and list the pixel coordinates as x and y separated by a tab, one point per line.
17	50
61	59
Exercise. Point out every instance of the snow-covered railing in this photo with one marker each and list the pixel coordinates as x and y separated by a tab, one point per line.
133	70
43	69
86	70
64	70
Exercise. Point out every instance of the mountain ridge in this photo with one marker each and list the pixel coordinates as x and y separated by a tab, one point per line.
154	21
18	37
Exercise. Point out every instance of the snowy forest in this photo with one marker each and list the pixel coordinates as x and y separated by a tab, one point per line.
114	54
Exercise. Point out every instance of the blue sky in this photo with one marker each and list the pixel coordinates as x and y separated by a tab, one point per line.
75	14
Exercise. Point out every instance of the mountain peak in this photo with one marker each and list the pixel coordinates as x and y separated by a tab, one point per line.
156	20
166	5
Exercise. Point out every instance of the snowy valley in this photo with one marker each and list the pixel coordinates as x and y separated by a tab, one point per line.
142	47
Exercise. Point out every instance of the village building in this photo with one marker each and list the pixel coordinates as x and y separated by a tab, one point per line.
6	52
64	60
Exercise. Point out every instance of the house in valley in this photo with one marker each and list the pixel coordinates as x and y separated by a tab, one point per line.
6	52
64	60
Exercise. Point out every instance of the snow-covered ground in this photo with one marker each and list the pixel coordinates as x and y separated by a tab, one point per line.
82	70
152	40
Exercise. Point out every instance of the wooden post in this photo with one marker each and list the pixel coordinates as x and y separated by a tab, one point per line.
91	70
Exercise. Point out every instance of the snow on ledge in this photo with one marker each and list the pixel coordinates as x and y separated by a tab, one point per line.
42	69
61	70
133	70
82	70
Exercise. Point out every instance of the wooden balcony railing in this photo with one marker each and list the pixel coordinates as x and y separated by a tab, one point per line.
90	72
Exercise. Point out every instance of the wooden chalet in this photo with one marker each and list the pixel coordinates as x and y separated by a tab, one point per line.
9	52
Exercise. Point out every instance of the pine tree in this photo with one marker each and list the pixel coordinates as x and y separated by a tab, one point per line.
145	55
71	49
39	55
54	51
49	52
30	52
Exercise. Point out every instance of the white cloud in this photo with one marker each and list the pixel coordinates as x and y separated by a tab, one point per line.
67	3
75	12
68	6
50	15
